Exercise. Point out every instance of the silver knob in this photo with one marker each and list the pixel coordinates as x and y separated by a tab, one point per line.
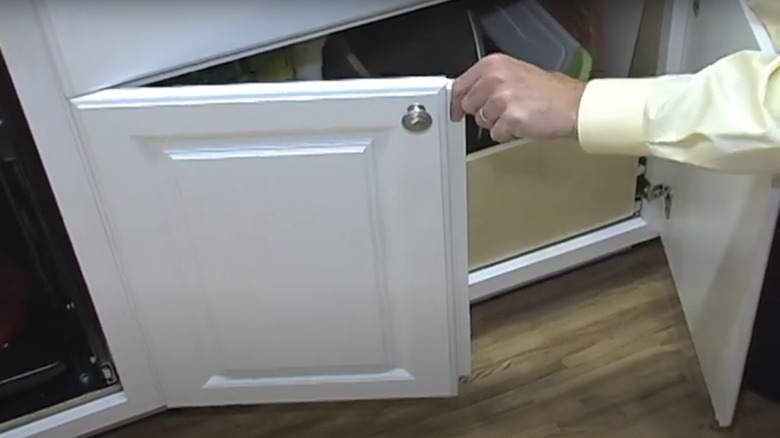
417	118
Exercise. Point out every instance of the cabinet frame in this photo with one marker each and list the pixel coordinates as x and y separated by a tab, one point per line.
48	114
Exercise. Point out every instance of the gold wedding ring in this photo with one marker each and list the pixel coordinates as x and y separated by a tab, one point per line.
481	115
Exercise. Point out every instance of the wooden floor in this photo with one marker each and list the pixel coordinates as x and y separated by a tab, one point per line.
601	352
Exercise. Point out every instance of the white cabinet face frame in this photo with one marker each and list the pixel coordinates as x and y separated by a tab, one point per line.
57	138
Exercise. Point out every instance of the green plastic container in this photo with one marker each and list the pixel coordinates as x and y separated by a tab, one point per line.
525	30
581	66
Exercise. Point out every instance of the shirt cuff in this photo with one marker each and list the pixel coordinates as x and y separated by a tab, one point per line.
611	116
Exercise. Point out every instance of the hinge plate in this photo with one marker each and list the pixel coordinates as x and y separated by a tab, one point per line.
109	374
650	192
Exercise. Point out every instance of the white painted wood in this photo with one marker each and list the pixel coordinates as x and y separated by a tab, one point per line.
457	224
717	239
509	275
100	44
75	190
286	242
79	420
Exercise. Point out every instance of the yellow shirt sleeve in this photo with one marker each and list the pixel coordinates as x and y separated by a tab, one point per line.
725	117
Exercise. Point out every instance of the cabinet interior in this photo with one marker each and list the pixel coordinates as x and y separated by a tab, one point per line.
52	349
521	199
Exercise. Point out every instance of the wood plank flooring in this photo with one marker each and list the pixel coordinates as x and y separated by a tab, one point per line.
601	352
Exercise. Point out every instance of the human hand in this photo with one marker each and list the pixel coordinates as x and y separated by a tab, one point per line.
514	99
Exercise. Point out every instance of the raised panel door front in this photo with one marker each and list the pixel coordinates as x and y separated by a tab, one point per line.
285	242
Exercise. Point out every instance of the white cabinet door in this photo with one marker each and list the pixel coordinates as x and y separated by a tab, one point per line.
288	242
720	227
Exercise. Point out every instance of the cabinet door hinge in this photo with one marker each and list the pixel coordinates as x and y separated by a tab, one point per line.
650	192
109	374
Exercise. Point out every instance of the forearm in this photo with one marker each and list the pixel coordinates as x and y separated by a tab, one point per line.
725	118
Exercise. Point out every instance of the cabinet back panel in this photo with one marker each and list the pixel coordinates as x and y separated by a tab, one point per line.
541	193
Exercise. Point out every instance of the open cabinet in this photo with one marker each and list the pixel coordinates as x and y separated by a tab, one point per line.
276	241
